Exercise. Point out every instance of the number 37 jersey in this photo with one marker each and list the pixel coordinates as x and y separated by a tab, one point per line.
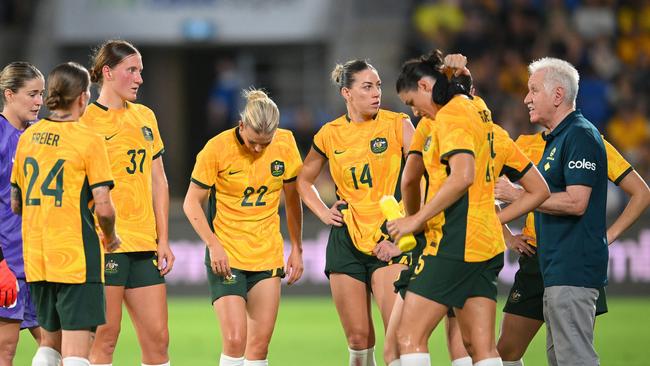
133	142
245	196
57	165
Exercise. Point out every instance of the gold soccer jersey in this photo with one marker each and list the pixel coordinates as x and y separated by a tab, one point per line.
245	196
365	160
57	164
133	142
470	229
533	147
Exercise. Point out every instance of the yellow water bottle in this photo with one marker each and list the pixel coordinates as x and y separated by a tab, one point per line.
391	210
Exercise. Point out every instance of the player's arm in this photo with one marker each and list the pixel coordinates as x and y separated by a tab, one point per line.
16	200
637	189
534	192
105	212
460	178
311	168
160	196
407	135
410	185
193	208
293	210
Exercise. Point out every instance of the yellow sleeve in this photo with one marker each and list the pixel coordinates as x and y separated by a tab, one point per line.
206	167
617	167
98	166
158	146
294	163
419	136
454	136
320	143
516	163
399	129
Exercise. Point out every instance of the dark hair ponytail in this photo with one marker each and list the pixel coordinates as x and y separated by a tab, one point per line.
431	65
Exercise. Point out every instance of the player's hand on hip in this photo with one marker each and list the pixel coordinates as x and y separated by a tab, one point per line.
8	285
166	258
294	267
334	216
219	260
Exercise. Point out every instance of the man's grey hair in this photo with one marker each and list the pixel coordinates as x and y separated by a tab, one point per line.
558	73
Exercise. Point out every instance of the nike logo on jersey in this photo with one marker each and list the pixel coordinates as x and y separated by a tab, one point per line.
109	137
338	152
233	172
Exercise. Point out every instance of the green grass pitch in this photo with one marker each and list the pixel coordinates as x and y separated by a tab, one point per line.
308	333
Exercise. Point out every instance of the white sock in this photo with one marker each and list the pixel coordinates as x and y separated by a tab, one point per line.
46	356
496	361
415	359
513	363
162	364
370	361
230	361
395	363
464	361
256	362
362	357
75	361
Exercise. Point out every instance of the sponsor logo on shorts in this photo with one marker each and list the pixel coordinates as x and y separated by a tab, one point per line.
230	280
515	296
155	262
111	267
582	164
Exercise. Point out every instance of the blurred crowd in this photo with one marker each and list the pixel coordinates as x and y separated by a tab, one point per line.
607	40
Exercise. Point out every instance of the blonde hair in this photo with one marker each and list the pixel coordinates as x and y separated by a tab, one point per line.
260	113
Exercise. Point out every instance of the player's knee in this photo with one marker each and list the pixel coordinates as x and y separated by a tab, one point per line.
234	343
8	346
360	339
106	338
509	351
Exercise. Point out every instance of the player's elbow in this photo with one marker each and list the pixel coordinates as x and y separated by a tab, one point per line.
579	207
105	213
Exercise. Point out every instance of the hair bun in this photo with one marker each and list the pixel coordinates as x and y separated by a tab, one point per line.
337	74
253	94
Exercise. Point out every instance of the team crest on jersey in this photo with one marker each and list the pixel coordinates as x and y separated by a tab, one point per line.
147	133
277	168
550	156
111	267
378	145
427	144
515	296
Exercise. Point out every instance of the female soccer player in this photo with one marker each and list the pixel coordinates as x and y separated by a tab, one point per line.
61	170
135	273
366	149
22	86
458	269
522	314
242	172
